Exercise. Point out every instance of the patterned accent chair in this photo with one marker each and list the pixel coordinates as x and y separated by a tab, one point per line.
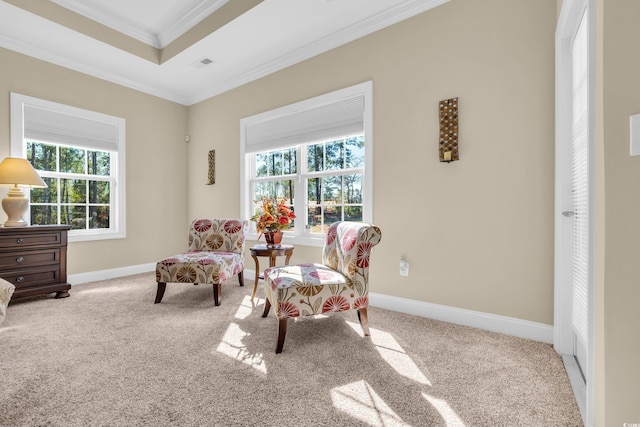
215	254
340	283
6	290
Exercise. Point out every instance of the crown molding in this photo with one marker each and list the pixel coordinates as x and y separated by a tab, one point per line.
13	20
101	16
46	55
188	21
158	40
332	41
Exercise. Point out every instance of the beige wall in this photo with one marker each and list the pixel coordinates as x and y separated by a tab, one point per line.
481	233
619	68
156	158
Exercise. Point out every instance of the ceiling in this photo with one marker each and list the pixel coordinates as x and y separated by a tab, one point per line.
156	23
269	36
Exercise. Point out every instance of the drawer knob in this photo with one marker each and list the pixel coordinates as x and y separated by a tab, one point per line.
19	240
19	279
20	259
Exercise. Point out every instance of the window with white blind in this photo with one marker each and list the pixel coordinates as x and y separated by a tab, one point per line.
316	153
80	156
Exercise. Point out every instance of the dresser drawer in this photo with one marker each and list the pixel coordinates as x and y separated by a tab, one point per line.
32	277
15	241
25	259
34	259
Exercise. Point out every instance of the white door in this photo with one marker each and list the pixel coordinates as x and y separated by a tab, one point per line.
573	322
580	189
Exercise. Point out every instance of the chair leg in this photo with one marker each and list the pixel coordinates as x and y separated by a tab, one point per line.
160	292
282	326
364	321
241	278
282	332
267	306
217	290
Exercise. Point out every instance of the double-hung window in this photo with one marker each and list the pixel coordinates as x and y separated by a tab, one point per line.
317	154
80	156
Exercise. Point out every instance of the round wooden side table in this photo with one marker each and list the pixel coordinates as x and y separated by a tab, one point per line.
272	252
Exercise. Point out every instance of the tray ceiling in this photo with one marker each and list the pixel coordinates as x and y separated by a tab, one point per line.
154	22
269	36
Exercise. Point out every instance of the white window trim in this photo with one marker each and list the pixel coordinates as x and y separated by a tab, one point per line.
18	147
246	205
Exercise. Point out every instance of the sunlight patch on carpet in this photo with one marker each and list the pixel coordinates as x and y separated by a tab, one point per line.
360	401
246	308
393	354
106	289
231	345
449	416
7	329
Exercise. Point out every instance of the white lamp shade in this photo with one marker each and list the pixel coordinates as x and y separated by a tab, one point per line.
19	172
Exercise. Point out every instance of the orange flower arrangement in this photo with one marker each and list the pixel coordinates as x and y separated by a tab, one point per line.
272	215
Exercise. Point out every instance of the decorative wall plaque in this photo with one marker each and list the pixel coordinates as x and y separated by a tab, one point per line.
211	178
448	147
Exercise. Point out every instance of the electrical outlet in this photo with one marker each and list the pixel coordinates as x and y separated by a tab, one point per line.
404	267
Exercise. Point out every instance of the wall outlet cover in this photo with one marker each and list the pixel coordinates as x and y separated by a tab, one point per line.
404	267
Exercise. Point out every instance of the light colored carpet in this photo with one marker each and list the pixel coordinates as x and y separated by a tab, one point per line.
108	356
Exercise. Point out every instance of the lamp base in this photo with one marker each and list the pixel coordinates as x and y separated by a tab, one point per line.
15	205
13	224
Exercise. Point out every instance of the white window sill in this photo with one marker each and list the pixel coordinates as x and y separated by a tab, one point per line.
76	236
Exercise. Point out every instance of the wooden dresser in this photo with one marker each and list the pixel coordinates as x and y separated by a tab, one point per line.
34	259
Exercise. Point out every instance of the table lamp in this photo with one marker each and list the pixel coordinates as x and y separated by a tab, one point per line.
18	172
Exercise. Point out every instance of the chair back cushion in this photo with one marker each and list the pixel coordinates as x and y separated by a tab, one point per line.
347	250
217	235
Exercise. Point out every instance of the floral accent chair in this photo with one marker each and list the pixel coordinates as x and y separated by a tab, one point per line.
6	290
340	283
215	254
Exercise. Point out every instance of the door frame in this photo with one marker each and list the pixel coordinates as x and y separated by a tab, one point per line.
563	339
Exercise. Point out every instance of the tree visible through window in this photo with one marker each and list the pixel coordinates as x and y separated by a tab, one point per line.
79	183
331	173
334	182
275	174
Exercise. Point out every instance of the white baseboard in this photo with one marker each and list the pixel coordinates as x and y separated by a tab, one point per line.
94	276
460	316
